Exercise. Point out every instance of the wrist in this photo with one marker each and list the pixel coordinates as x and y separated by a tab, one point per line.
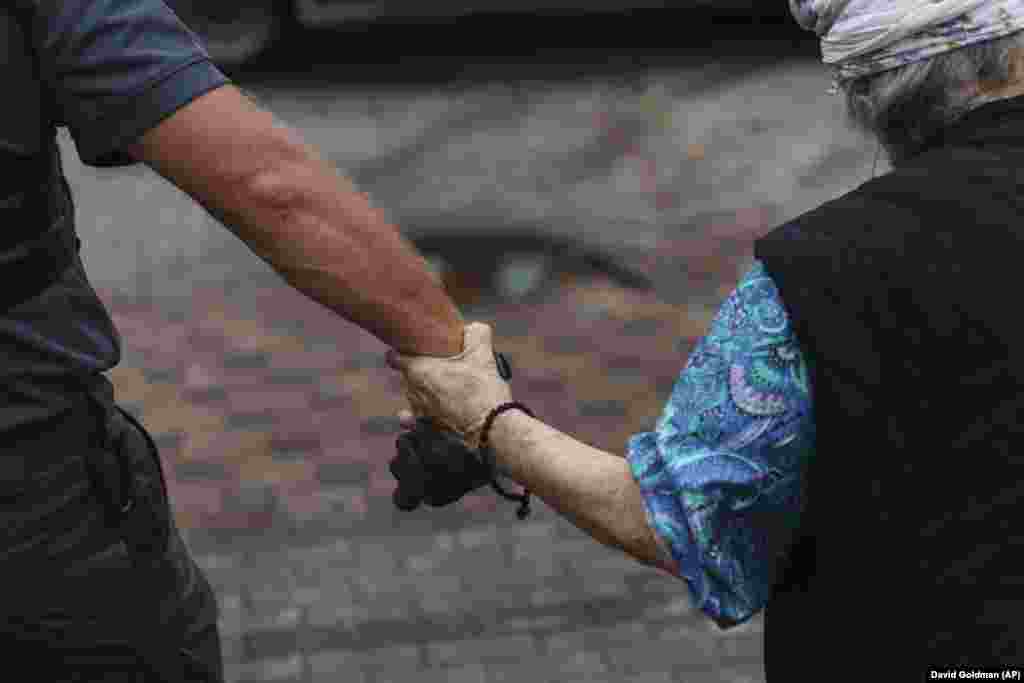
500	431
434	338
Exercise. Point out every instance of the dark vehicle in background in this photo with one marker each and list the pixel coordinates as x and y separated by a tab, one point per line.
235	31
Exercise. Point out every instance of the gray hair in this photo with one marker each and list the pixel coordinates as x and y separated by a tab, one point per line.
906	106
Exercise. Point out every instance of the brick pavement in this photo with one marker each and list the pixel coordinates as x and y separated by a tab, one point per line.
275	421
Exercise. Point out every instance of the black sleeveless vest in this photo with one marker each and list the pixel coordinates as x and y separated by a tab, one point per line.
903	292
37	234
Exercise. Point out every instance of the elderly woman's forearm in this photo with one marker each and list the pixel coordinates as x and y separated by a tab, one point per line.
593	489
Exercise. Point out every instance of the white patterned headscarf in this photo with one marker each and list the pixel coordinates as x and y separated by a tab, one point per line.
863	37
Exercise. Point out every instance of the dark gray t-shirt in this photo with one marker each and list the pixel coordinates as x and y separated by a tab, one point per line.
112	70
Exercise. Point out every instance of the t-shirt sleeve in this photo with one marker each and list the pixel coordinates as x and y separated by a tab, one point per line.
117	68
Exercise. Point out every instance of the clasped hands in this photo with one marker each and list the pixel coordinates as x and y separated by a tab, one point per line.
439	458
455	393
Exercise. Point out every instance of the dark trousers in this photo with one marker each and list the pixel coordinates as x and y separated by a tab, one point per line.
96	583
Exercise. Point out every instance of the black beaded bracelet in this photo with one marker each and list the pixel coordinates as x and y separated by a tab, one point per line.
488	459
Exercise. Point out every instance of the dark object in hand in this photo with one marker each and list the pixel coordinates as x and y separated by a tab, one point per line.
435	466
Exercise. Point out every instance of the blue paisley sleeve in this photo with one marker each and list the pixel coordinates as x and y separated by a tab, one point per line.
720	474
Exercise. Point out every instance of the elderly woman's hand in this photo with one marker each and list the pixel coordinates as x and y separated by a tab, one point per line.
457	392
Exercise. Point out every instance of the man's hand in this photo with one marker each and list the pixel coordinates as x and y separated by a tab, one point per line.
456	392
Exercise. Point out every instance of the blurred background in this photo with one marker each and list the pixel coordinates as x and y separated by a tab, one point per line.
588	178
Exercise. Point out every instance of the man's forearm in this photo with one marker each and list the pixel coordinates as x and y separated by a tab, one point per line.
308	222
296	212
593	489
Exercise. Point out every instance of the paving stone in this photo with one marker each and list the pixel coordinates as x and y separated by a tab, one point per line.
731	674
375	559
489	601
445	541
331	473
673	608
650	677
163	375
643	327
610	588
232	653
334	552
577	551
394	599
232	614
535	387
269	605
548	596
208	395
283	669
581	662
569	344
636	657
245	361
234	448
304	596
385	425
363	360
477	538
292	454
496	650
511	327
336	665
202	471
555	668
691	642
199	375
540	530
348	616
522	579
620	635
469	673
618	572
293	377
216	562
568	641
744	646
204	498
329	394
286	619
439	594
252	497
344	500
568	653
397	663
490	561
264	397
425	563
249	421
530	624
594	678
337	606
603	408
